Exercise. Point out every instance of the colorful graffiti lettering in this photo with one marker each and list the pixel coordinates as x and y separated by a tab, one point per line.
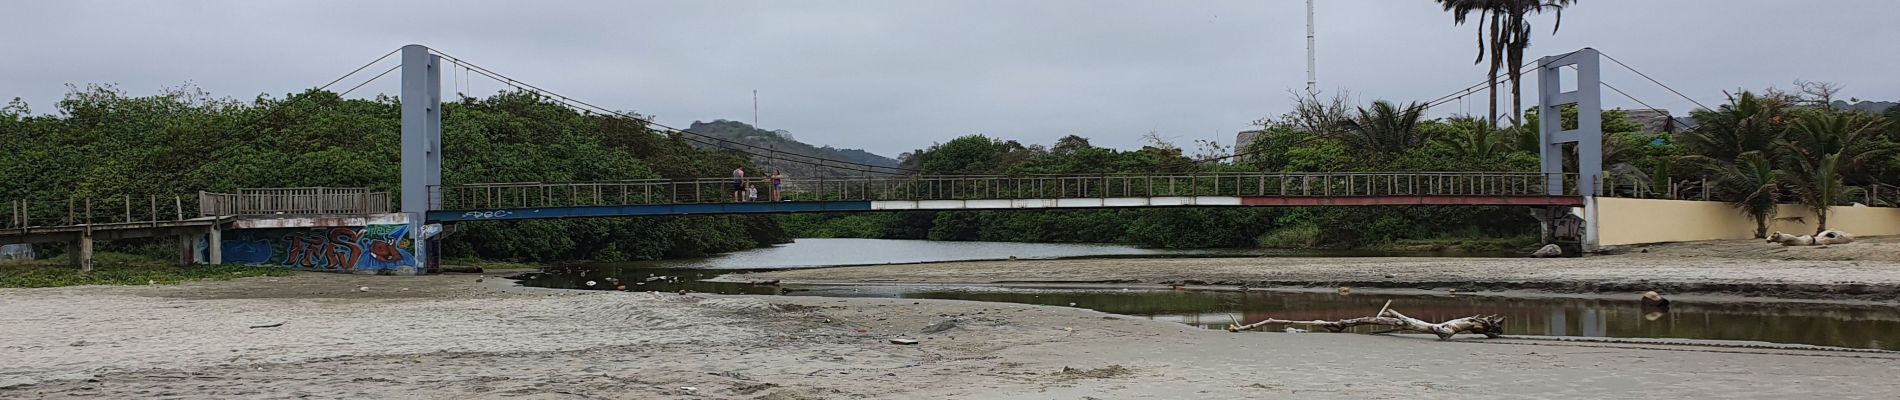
370	249
336	249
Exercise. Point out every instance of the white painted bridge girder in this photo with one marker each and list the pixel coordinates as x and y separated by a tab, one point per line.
1009	204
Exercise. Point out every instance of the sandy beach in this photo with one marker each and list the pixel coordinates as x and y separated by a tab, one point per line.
1868	270
449	336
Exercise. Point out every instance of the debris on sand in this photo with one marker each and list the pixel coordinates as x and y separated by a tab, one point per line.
788	307
940	326
903	341
753	388
1111	371
267	326
363	289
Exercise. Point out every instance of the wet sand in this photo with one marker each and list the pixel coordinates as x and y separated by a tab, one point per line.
1856	271
448	336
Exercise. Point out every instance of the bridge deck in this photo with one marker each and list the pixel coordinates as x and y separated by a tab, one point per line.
714	196
945	205
107	231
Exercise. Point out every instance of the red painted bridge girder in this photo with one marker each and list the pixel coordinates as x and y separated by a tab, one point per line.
1464	200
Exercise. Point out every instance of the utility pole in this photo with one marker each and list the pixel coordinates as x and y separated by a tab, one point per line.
1312	77
755	108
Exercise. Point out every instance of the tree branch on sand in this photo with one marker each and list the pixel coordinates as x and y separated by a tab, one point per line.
1491	326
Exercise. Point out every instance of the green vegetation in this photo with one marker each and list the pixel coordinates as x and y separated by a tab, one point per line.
120	269
1510	29
1802	147
102	143
492	265
1774	148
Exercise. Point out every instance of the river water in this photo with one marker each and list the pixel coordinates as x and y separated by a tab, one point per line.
1827	324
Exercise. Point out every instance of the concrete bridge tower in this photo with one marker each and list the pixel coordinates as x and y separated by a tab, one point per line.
1588	98
421	144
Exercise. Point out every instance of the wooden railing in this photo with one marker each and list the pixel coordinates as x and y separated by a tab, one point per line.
96	210
294	201
534	194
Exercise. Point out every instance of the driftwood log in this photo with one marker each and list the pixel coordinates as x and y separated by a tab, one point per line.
1491	326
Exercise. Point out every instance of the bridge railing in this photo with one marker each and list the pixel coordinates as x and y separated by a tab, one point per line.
95	210
1875	195
534	194
294	201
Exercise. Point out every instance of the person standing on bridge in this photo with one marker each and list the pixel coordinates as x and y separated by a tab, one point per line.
777	179
738	184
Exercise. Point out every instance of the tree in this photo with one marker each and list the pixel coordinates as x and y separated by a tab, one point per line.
1750	183
1518	38
1510	35
1070	144
1469	138
1821	146
1461	11
1385	128
1747	123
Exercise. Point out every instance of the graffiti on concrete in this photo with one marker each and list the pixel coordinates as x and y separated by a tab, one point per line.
368	249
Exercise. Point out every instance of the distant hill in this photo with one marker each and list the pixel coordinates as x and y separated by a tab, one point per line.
788	148
1868	106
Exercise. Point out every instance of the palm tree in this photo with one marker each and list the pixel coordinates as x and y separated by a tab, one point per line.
1822	146
1750	184
1385	128
1518	38
1747	123
1510	35
1487	45
1818	186
1470	138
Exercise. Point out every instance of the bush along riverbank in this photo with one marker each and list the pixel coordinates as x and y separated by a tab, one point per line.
110	268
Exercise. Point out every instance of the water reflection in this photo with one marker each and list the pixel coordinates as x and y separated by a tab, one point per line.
1859	326
808	253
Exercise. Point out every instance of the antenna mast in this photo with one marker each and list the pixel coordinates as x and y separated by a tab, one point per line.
1312	77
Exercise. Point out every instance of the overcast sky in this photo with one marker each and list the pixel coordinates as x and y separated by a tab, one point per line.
893	76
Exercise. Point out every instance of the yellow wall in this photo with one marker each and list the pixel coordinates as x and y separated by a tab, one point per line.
1632	221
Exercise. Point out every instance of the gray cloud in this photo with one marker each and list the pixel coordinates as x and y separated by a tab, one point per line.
892	76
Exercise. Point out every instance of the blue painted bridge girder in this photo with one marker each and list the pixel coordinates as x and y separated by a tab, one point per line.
648	210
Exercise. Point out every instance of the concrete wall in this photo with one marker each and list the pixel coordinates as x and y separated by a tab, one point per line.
368	249
1634	221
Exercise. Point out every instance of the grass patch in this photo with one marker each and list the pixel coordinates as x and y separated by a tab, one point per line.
489	265
1456	244
1292	237
121	269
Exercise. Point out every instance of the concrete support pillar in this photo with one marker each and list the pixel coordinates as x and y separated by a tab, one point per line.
1590	225
421	140
214	246
188	248
81	251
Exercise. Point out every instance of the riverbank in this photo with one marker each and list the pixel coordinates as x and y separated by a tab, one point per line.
1865	270
449	336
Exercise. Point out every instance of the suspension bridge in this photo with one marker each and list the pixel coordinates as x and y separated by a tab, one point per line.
355	230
